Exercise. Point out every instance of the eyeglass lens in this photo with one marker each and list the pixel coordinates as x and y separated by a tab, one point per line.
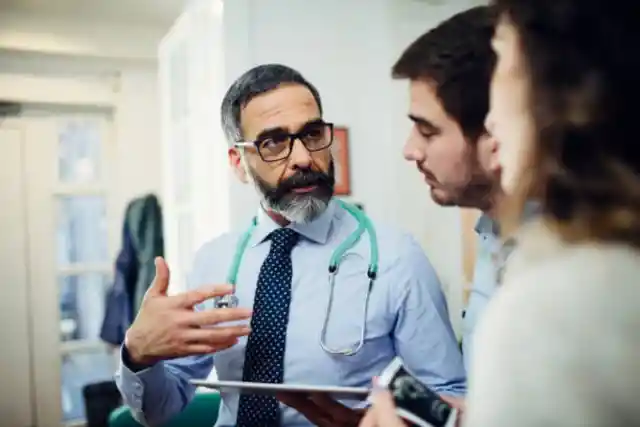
314	136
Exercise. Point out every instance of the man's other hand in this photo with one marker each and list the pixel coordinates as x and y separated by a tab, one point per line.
322	410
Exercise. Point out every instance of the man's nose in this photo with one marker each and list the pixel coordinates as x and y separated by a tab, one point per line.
300	156
412	151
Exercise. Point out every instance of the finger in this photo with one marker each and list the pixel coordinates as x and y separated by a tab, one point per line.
458	404
369	419
160	283
216	335
454	402
385	410
218	315
305	406
198	348
340	413
196	296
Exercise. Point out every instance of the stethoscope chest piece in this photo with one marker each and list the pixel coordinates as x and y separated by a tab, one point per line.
227	301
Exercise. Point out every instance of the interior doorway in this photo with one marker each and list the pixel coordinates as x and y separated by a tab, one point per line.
55	261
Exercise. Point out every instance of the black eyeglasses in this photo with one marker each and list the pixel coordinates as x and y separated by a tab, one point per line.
277	145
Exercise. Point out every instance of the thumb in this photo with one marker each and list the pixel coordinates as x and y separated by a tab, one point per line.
385	410
161	281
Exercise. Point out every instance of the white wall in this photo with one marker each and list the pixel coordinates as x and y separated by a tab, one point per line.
347	48
137	118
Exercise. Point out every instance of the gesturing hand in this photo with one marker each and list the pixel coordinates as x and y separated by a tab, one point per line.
168	327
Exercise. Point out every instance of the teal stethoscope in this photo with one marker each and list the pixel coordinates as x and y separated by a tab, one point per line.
364	224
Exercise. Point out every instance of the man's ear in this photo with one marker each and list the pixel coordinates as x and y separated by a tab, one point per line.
488	148
236	163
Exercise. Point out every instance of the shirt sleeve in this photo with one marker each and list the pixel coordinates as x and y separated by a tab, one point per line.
162	391
423	334
158	393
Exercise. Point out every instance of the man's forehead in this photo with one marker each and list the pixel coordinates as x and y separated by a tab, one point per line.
288	107
425	104
424	99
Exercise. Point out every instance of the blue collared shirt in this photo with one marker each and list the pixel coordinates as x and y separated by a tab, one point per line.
484	280
492	255
407	317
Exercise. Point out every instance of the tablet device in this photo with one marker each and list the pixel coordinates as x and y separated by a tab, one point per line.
336	392
414	401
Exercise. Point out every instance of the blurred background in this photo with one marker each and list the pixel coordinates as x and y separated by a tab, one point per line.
106	106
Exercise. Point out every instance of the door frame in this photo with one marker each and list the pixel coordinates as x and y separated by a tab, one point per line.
17	362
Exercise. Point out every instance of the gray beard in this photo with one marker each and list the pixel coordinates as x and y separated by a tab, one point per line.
297	208
300	210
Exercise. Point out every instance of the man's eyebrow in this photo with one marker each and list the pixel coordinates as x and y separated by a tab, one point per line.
279	130
420	121
265	133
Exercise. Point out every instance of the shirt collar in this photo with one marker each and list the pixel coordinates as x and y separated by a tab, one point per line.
316	230
486	225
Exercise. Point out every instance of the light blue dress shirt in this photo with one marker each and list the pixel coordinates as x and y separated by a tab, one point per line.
492	256
484	280
407	317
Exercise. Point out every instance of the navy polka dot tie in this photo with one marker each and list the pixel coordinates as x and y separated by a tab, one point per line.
264	354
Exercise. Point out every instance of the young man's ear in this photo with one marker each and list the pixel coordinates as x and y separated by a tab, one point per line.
488	147
237	164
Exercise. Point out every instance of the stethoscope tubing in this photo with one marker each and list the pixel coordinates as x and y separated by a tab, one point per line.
364	225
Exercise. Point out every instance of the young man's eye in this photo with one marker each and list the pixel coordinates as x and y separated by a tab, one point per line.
426	133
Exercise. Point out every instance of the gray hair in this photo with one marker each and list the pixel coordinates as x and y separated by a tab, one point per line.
256	81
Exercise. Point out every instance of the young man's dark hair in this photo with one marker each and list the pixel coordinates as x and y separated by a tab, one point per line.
456	57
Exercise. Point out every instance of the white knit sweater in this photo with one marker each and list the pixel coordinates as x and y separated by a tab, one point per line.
560	343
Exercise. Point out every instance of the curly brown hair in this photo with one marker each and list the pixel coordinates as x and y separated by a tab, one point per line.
581	56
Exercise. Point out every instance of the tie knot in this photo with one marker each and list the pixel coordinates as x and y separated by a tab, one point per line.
283	239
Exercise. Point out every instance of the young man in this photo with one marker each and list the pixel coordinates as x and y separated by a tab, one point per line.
449	71
280	143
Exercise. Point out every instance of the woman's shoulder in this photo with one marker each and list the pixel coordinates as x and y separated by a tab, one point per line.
561	297
542	260
552	289
565	315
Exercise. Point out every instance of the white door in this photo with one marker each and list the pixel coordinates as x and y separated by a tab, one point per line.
68	238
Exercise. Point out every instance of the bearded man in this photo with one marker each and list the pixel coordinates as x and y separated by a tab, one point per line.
300	322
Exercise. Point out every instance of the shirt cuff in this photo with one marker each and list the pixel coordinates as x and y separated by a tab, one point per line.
133	384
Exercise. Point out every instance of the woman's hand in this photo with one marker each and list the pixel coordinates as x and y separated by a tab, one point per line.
383	412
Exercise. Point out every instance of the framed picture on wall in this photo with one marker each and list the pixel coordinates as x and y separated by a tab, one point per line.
340	150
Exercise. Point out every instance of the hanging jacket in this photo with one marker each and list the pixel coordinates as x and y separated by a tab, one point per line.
142	242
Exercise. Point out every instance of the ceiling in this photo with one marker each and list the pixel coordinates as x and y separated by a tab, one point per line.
144	12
